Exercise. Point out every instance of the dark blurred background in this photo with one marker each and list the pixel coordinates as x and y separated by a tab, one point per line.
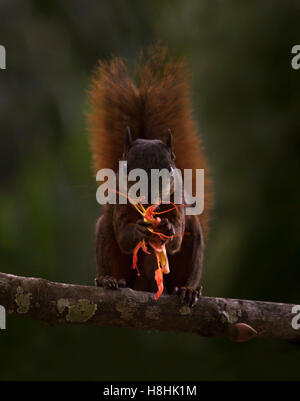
246	101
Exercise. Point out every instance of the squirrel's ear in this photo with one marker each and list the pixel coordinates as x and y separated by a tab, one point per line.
170	144
128	141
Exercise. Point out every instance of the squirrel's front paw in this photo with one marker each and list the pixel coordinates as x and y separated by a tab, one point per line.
165	227
188	295
141	230
110	282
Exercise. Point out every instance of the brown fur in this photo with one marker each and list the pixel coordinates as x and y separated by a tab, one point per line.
160	99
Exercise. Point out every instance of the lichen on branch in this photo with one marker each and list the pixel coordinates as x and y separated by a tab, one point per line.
59	303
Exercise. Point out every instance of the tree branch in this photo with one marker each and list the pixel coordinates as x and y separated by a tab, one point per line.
55	303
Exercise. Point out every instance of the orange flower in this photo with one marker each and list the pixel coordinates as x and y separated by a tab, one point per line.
158	247
160	282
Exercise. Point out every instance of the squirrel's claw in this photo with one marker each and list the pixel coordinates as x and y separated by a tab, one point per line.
188	295
110	282
165	227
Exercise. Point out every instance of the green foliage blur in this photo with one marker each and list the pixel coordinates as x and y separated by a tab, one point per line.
246	101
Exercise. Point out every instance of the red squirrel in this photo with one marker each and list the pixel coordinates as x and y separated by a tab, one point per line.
148	122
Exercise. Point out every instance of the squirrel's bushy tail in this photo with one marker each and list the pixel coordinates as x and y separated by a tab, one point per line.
157	99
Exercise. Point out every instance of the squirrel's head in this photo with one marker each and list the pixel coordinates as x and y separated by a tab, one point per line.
149	155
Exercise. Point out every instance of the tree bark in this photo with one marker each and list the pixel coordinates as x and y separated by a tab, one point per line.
58	303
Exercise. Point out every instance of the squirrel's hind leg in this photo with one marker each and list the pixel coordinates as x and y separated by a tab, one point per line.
186	265
112	267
